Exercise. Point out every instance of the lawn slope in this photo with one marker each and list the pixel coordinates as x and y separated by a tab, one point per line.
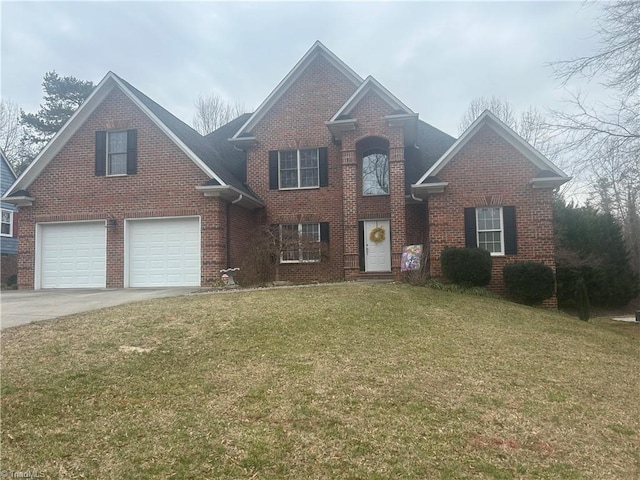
332	381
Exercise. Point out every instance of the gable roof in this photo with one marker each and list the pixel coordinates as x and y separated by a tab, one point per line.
318	49
371	84
185	137
489	119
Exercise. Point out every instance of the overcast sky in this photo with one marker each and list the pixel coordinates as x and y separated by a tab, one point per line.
435	57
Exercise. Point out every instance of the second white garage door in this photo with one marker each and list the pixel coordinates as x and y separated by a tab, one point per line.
163	252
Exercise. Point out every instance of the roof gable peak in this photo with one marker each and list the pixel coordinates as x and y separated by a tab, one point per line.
317	49
507	133
80	116
371	84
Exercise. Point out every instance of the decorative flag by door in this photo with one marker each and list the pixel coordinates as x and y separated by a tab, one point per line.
411	255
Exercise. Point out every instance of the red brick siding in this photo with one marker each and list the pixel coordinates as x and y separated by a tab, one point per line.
243	225
370	113
297	121
416	223
488	170
67	190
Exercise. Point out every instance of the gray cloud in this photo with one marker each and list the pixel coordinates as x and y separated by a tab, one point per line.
436	57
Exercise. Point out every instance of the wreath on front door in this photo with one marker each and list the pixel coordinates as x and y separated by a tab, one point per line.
377	235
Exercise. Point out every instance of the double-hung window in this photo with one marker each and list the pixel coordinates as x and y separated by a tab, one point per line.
117	153
298	168
490	229
300	243
6	227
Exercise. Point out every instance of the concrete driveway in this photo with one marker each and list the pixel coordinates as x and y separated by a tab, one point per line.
19	307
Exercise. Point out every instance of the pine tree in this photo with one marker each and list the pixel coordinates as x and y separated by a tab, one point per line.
62	97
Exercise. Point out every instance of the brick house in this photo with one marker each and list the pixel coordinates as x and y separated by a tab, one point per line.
127	195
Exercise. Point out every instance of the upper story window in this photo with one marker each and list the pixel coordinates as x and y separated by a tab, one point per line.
116	153
299	168
490	229
295	169
6	227
375	172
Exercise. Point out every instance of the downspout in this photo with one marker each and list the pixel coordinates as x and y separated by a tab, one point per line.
240	197
228	234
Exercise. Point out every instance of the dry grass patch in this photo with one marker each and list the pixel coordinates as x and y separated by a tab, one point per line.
333	381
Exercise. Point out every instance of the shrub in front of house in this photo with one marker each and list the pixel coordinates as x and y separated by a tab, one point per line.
466	266
528	282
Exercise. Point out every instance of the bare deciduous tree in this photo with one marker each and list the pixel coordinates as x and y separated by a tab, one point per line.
212	111
604	138
619	54
10	129
16	149
530	124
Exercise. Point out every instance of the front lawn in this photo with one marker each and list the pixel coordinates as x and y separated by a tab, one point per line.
332	381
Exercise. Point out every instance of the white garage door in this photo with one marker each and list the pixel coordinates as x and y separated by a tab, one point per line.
163	252
72	255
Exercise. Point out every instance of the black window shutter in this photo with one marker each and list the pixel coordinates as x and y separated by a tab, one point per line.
324	232
273	170
470	238
324	167
101	153
510	235
132	152
361	242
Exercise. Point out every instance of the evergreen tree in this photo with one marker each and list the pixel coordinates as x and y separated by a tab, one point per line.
62	97
589	245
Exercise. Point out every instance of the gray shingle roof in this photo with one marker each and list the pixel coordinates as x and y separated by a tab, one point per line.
208	151
432	143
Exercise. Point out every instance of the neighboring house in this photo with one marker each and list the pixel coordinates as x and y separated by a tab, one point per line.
8	240
127	195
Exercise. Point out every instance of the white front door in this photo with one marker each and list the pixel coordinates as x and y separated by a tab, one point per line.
377	255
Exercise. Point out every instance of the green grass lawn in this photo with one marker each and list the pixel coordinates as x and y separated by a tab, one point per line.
350	381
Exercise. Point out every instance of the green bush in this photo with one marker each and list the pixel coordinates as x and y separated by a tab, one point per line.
589	245
466	266
528	282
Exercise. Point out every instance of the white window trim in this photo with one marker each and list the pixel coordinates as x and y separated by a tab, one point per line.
107	164
299	170
300	249
493	254
10	234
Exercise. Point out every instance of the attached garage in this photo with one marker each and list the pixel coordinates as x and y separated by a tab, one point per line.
162	252
71	255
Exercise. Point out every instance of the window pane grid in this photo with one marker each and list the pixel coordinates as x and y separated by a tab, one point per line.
489	228
117	154
299	242
299	168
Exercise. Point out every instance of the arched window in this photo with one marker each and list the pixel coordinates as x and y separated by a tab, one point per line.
375	172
